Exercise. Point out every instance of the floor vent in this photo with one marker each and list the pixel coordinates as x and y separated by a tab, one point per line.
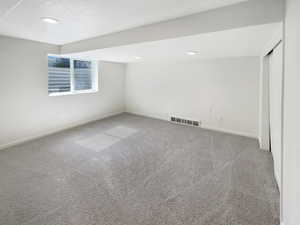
185	121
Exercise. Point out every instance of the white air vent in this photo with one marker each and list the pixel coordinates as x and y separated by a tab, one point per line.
182	121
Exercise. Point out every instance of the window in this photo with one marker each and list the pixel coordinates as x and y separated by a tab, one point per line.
59	75
71	76
82	75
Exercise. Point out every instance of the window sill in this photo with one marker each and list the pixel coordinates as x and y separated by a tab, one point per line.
72	93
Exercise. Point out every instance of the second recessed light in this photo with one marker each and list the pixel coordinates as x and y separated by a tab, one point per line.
50	20
192	53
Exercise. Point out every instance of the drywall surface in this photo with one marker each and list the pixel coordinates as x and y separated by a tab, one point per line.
26	109
264	109
291	148
248	13
264	121
221	93
275	103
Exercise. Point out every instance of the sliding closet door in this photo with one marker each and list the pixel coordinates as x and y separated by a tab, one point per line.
276	79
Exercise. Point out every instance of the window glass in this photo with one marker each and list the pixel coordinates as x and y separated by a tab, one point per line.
59	76
82	75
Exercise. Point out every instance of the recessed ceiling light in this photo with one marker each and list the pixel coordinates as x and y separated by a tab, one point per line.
192	53
50	20
138	57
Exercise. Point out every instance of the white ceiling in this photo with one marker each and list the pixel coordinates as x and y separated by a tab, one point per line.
81	19
247	41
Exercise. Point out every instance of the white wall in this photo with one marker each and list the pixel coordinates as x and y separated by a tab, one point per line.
264	120
222	93
291	149
275	103
26	110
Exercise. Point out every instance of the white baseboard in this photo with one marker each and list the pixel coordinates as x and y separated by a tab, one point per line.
153	116
239	133
166	118
52	131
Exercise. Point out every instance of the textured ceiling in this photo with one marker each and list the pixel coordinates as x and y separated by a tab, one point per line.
81	19
247	41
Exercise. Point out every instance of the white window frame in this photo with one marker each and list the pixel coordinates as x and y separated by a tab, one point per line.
95	77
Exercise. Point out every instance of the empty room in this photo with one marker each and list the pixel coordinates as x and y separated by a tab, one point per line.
147	112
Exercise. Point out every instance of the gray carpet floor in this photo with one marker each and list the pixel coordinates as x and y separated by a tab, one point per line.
134	170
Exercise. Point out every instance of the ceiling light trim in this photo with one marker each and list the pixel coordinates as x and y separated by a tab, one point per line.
50	20
192	53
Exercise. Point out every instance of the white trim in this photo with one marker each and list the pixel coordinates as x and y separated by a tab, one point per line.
155	116
277	179
263	133
73	93
66	56
264	130
95	69
239	133
55	130
277	38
